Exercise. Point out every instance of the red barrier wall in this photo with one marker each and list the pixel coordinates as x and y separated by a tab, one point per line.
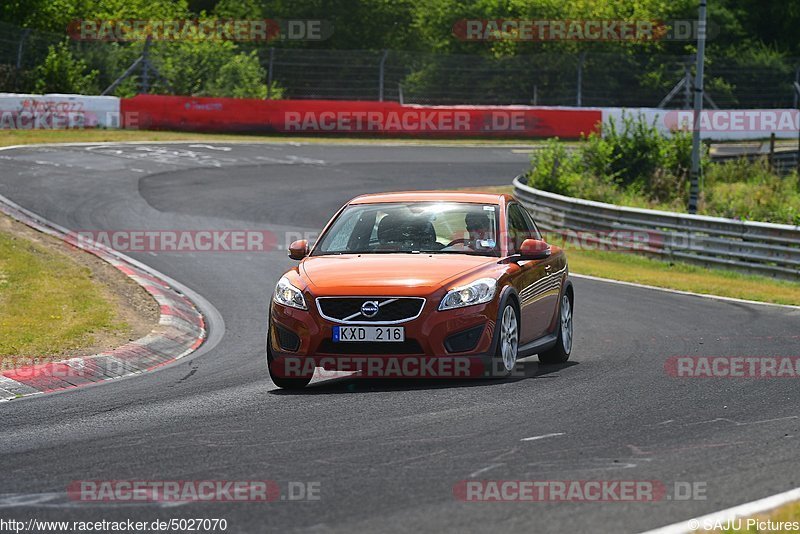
353	117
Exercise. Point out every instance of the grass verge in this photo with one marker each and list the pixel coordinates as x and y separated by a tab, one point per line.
27	137
786	514
629	267
56	302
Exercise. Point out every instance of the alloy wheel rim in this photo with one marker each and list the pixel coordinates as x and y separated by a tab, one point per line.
509	336
566	324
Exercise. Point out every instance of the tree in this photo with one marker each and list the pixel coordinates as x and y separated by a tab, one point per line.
61	72
241	77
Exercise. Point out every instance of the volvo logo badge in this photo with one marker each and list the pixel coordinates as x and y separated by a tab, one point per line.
369	308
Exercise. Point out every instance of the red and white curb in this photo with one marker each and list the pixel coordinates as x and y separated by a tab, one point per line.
181	328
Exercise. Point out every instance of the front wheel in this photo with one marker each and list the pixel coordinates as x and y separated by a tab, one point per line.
288	383
507	346
560	352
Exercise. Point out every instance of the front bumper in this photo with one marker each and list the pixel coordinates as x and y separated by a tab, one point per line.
455	343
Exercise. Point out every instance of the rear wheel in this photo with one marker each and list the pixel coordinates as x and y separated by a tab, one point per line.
507	346
560	352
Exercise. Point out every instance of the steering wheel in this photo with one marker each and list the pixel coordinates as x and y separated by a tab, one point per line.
456	241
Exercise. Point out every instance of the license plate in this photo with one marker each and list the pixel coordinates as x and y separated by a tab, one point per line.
368	333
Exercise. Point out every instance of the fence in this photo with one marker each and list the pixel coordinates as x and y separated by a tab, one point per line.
762	248
783	160
595	77
547	78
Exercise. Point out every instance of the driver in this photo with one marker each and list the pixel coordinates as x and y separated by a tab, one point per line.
479	227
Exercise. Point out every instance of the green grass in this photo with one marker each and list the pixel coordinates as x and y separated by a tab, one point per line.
26	137
785	514
629	267
48	304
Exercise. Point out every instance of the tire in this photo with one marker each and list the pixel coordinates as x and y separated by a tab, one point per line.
288	383
560	352
505	357
282	381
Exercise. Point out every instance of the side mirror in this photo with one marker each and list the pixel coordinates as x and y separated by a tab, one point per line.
534	249
298	250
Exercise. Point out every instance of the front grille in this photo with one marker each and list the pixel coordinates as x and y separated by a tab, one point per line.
409	346
390	309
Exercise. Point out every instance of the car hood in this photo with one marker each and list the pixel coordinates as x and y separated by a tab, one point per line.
400	274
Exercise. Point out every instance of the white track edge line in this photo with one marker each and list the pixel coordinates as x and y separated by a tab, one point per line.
743	510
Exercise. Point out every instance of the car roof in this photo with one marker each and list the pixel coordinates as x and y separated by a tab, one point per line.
432	196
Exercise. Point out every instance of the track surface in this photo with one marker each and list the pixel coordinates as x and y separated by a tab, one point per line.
386	454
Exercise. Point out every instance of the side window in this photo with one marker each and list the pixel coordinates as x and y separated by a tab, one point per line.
535	233
518	229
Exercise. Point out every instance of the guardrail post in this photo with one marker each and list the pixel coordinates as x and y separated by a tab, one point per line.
579	96
146	67
381	75
796	82
772	151
687	87
23	35
694	186
796	95
269	72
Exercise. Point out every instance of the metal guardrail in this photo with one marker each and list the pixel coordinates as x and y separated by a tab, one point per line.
754	247
783	160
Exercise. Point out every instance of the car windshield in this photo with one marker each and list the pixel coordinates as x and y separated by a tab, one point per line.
413	227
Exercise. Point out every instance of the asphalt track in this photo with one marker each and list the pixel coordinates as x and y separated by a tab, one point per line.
386	453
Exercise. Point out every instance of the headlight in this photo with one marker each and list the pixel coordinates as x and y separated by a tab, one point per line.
288	295
477	292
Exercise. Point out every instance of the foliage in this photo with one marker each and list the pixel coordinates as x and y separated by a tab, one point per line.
753	38
241	77
634	165
61	72
192	65
743	190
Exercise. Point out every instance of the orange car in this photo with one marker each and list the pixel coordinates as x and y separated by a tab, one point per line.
421	284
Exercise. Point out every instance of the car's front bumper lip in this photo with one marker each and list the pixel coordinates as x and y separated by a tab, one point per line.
430	330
